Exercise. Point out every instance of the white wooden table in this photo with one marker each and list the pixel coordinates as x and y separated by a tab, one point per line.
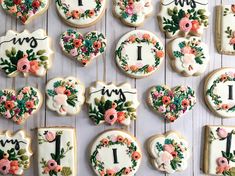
104	69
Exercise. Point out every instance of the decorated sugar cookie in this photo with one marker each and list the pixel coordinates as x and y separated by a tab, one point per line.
65	96
139	53
25	53
219	92
15	153
59	158
189	56
19	106
81	13
225	29
25	10
83	48
115	152
182	17
112	104
219	150
171	103
132	13
169	152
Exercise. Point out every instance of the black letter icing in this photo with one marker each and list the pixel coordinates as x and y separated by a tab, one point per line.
13	142
230	90
116	91
192	3
115	160
80	3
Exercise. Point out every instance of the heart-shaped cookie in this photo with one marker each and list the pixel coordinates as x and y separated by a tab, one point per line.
171	103
25	10
18	106
83	48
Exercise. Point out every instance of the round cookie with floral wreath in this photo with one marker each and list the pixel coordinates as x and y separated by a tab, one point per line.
132	12
219	92
81	13
139	53
25	10
181	17
115	152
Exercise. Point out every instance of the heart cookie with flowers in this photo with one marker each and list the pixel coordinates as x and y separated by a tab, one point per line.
171	103
18	106
83	48
25	10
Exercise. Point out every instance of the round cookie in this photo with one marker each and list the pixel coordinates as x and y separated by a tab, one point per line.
139	53
189	56
115	152
81	13
219	92
132	13
169	152
65	96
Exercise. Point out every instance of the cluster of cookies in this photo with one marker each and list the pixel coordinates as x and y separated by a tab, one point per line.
139	53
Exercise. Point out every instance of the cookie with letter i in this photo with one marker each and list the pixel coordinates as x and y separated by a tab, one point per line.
219	92
183	17
65	96
15	153
59	158
139	53
225	29
219	149
115	152
25	53
81	13
112	104
132	13
25	10
169	152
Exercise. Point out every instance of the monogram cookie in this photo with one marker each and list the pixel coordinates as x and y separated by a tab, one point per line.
112	104
169	152
65	96
26	53
219	150
83	48
132	13
182	17
189	56
171	103
81	13
139	53
15	153
19	106
115	152
59	158
218	90
225	29
25	10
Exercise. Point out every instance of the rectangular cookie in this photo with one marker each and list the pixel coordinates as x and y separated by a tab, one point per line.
56	152
219	150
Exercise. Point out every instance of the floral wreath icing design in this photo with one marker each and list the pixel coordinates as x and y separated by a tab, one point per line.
169	153
132	12
127	161
25	10
81	13
15	153
112	104
59	158
171	103
65	96
189	56
18	106
180	17
83	48
134	64
26	53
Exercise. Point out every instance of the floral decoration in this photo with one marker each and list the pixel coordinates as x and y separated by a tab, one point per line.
19	106
108	142
83	48
172	103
